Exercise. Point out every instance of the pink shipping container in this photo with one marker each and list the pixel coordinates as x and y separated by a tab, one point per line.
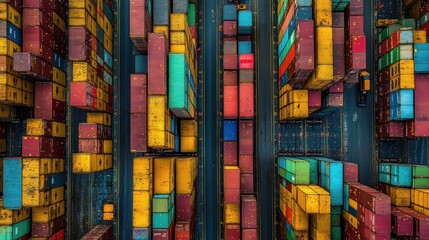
247	100
138	93
230	28
232	232
248	212
157	64
246	163
245	136
247	61
230	155
138	132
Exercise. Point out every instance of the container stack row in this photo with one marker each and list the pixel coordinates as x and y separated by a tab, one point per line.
403	69
240	206
308	33
163	90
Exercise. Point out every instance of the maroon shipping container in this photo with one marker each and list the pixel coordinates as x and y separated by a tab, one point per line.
421	222
393	129
337	87
421	96
232	196
163	234
48	108
157	64
60	8
80	44
82	95
249	234
138	93
58	147
247	61
36	146
232	178
230	155
247	100
230	78
335	99
94	130
91	145
417	128
232	232
185	207
184	231
368	234
229	28
37	41
402	223
138	132
338	20
246	163
351	172
194	32
245	137
45	230
355	26
378	223
374	200
16	4
249	212
31	65
354	8
229	46
230	62
230	102
314	99
99	232
35	17
246	76
350	232
140	24
46	6
384	188
247	186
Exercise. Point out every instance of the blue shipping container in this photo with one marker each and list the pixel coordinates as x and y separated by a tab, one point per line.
12	183
140	64
161	12
229	12
244	22
59	62
402	97
401	112
304	13
142	233
230	130
108	60
244	47
14	33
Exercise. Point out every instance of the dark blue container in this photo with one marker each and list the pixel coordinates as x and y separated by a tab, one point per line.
56	180
229	12
304	13
230	130
100	49
161	10
140	65
388	9
100	34
14	33
59	62
12	183
107	12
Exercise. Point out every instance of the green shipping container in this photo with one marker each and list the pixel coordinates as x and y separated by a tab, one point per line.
420	171
299	171
191	14
178	85
16	231
420	183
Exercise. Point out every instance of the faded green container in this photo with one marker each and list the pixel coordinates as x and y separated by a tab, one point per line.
314	170
163	202
408	23
16	231
297	171
178	85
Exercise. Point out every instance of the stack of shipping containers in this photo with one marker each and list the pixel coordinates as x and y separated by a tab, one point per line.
239	201
164	129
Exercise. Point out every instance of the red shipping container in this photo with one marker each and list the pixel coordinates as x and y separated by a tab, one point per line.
394	129
36	146
350	232
417	128
229	28
138	132
16	4
163	234
351	172
229	47
245	137
58	147
34	17
232	178
59	235
183	231
138	93
110	4
194	32
244	38
377	202
37	41
289	60
355	26
247	100
91	146
230	155
246	163
230	101
249	234
45	230
368	234
80	44
247	61
232	196
402	223
27	64
314	99
45	6
288	214
232	232
230	62
48	108
91	130
376	222
421	222
246	76
185	205
230	78
421	96
82	95
356	61
248	212
157	64
140	24
247	184
337	87
338	20
60	8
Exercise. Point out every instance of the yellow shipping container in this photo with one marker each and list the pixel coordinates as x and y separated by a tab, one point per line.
58	92
162	29
178	21
46	214
108	161
8	13
100	118
57	195
188	144
159	139
108	207
324	46
401	197
308	199
282	206
142	209
59	22
108	29
189	128
10	217
322	13
108	216
37	127
297	96
84	72
164	175
177	38
57	165
321	77
27	99
10	94
232	213
10	80
5	111
353	204
324	199
402	82
419	36
58	129
298	110
185	175
80	17
321	228
108	45
178	48
7	47
299	218
107	146
27	86
86	4
142	174
84	162
6	65
157	108
350	219
403	67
